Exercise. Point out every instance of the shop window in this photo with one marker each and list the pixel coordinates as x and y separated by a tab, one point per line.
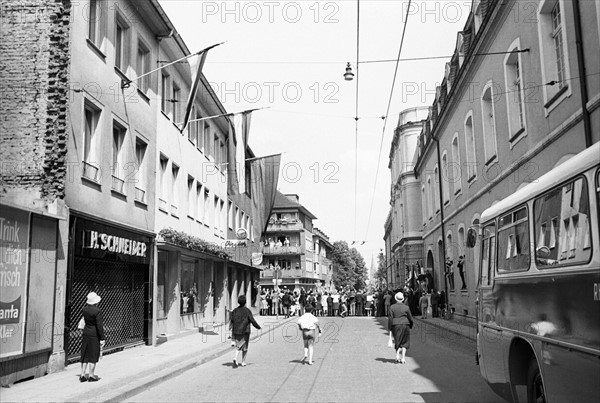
162	285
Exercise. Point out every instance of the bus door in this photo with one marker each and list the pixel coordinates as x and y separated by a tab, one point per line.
489	338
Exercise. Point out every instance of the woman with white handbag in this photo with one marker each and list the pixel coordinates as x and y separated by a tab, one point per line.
400	322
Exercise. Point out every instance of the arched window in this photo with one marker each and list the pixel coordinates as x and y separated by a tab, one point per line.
489	123
445	179
455	168
470	148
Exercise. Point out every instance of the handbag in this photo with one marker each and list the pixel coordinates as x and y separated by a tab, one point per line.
81	324
391	342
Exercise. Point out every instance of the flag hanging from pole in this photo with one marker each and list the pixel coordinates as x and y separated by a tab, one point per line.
196	65
264	175
237	152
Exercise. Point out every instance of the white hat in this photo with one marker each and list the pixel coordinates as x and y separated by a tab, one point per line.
93	298
399	296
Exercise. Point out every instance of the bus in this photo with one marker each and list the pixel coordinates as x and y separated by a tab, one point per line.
538	313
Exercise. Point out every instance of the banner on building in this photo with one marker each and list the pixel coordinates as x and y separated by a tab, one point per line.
237	157
264	173
14	252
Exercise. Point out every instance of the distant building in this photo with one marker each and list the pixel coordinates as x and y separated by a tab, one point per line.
295	254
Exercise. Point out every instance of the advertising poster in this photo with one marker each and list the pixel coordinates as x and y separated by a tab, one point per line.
14	252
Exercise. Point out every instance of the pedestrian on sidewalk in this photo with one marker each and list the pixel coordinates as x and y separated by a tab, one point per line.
308	324
241	318
424	304
400	322
93	338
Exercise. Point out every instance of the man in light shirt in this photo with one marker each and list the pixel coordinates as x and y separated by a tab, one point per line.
308	324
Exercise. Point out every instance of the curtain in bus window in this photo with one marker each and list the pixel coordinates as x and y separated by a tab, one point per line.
562	225
513	248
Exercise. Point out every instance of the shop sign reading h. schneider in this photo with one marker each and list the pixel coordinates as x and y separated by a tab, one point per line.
116	244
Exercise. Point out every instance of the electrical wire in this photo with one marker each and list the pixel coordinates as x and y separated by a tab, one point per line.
386	118
356	117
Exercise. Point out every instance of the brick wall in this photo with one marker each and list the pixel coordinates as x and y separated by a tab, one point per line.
34	96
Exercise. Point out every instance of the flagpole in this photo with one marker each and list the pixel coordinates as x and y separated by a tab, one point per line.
127	83
226	114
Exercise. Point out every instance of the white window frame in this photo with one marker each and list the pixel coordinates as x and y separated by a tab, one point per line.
456	164
515	93
470	148
445	179
436	189
142	66
118	149
123	46
141	168
430	206
553	95
488	120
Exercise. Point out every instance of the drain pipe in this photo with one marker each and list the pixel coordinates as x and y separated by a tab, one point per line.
587	127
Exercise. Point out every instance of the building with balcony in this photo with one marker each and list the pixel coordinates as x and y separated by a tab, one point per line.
514	103
290	256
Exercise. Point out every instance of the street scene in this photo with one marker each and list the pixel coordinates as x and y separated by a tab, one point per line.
341	201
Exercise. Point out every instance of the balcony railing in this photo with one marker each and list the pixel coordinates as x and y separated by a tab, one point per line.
282	250
117	184
140	195
90	172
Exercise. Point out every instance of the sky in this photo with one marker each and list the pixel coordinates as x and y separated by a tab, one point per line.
290	56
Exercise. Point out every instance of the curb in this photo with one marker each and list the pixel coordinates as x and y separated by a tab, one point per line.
133	388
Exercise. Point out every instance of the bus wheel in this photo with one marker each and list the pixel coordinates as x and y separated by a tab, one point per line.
535	385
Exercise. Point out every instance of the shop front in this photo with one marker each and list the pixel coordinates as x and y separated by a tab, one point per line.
31	252
190	291
116	263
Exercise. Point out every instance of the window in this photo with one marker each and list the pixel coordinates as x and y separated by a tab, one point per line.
174	190
515	97
118	156
513	241
455	177
488	254
143	66
176	104
195	286
222	218
121	44
93	19
216	216
192	126
445	179
470	149
429	198
206	212
223	158
562	225
199	202
230	217
162	200
162	294
165	94
191	196
425	205
198	129
436	189
215	150
489	124
90	142
553	52
207	139
237	218
141	184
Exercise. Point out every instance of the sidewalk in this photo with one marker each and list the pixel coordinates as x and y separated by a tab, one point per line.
455	326
125	373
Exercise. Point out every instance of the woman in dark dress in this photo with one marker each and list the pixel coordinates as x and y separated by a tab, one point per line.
93	338
400	322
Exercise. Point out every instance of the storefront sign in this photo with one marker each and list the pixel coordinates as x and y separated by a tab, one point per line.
235	243
112	243
101	241
257	258
14	250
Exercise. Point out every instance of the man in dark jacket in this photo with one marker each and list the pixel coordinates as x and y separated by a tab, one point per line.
241	318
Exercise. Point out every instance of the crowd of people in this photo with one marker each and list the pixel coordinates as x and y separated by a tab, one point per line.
347	302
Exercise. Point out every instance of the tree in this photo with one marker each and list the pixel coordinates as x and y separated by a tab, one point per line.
349	268
381	273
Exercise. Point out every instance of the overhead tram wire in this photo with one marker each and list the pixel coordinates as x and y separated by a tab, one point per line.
356	117
386	117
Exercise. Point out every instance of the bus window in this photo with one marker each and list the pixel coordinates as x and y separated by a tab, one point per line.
513	241
488	254
562	225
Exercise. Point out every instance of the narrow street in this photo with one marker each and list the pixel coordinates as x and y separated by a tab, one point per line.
352	364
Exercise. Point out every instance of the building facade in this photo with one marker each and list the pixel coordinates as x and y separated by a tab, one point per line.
403	236
289	256
518	98
34	231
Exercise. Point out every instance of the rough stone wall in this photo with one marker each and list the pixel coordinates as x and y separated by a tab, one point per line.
34	96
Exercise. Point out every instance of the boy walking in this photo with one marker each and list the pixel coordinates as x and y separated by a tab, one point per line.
308	324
